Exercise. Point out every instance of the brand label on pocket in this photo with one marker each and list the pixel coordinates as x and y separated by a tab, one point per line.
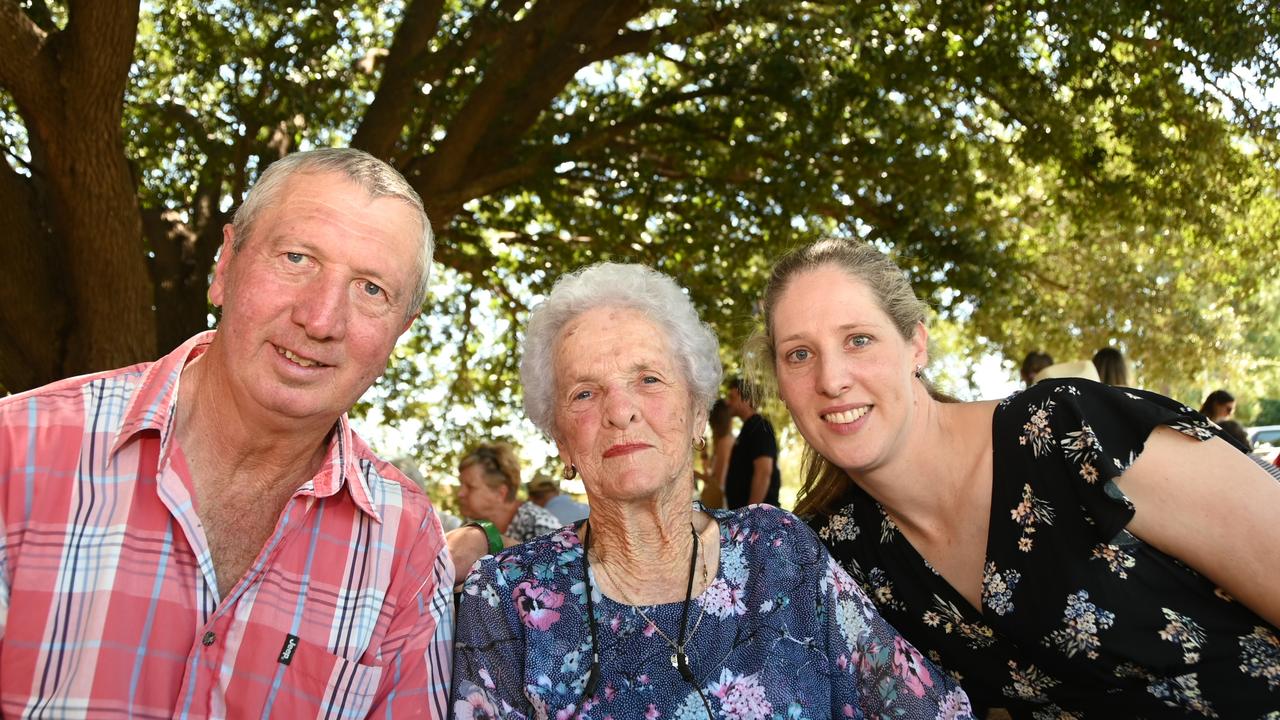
286	652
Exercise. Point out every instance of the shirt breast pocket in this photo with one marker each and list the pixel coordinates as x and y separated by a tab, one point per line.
313	682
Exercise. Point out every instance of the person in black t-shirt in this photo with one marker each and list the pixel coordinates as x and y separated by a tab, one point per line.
753	465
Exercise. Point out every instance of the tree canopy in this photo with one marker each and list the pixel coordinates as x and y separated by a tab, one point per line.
1058	175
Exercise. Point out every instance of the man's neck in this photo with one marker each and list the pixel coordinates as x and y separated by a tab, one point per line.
209	425
242	474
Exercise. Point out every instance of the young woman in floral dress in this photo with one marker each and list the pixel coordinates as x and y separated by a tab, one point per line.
1075	551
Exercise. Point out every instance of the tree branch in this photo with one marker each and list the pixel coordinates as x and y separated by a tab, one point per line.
40	15
95	64
383	121
636	41
549	157
514	84
26	71
518	86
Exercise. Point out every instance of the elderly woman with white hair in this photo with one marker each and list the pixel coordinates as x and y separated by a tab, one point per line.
654	606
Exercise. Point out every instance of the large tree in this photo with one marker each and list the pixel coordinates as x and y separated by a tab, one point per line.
1062	174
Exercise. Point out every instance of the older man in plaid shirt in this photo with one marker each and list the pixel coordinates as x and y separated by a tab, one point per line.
205	536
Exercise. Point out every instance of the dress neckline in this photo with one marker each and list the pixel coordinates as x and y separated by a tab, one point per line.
953	596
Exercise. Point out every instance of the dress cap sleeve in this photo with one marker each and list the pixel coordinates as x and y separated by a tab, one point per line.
1097	432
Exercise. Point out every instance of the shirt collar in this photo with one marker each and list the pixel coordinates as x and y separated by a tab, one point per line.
152	408
342	468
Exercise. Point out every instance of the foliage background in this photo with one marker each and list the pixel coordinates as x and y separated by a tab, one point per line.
1058	176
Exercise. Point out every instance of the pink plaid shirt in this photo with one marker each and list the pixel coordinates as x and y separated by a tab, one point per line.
108	602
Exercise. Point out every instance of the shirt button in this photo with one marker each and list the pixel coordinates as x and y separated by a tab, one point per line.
208	638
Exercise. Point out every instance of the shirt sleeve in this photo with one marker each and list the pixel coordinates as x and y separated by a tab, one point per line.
489	653
417	653
6	473
1096	432
545	522
875	672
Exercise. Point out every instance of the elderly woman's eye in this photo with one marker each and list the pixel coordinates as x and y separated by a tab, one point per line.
650	380
582	395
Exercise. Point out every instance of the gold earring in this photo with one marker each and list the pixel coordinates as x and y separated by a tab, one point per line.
569	472
699	444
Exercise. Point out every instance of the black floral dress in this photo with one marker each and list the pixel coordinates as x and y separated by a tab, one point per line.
1079	618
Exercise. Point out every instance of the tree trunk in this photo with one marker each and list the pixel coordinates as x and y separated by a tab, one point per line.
87	254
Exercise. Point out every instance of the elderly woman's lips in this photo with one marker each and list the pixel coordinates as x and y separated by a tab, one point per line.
627	449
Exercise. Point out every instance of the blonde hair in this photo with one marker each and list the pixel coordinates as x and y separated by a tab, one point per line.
500	466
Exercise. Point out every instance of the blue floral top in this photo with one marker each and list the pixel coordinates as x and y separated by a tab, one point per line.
1079	618
782	632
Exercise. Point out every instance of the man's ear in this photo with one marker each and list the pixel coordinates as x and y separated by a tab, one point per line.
218	288
409	323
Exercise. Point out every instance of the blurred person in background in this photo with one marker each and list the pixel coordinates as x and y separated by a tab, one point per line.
409	466
720	421
1237	432
1032	364
1111	366
545	493
1218	406
752	476
489	496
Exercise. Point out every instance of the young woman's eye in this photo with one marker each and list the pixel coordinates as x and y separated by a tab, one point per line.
860	340
797	355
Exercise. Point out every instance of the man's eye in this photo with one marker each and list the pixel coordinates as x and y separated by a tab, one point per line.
294	257
372	289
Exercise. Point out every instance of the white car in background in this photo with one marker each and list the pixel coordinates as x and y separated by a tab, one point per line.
1266	441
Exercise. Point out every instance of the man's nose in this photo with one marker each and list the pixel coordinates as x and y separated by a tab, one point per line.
322	307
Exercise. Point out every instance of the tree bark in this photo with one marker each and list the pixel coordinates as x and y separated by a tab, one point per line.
69	89
33	307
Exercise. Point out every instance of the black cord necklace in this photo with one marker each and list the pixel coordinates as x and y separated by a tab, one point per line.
681	659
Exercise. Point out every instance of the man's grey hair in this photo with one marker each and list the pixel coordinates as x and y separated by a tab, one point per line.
376	177
614	285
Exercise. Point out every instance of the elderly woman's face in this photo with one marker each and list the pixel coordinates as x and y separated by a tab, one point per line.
623	409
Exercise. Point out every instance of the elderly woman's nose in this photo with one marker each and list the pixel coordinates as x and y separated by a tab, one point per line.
620	408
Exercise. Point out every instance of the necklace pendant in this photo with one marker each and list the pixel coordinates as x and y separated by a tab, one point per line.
675	663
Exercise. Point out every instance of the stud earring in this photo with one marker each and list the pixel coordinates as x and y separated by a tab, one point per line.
570	472
919	373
